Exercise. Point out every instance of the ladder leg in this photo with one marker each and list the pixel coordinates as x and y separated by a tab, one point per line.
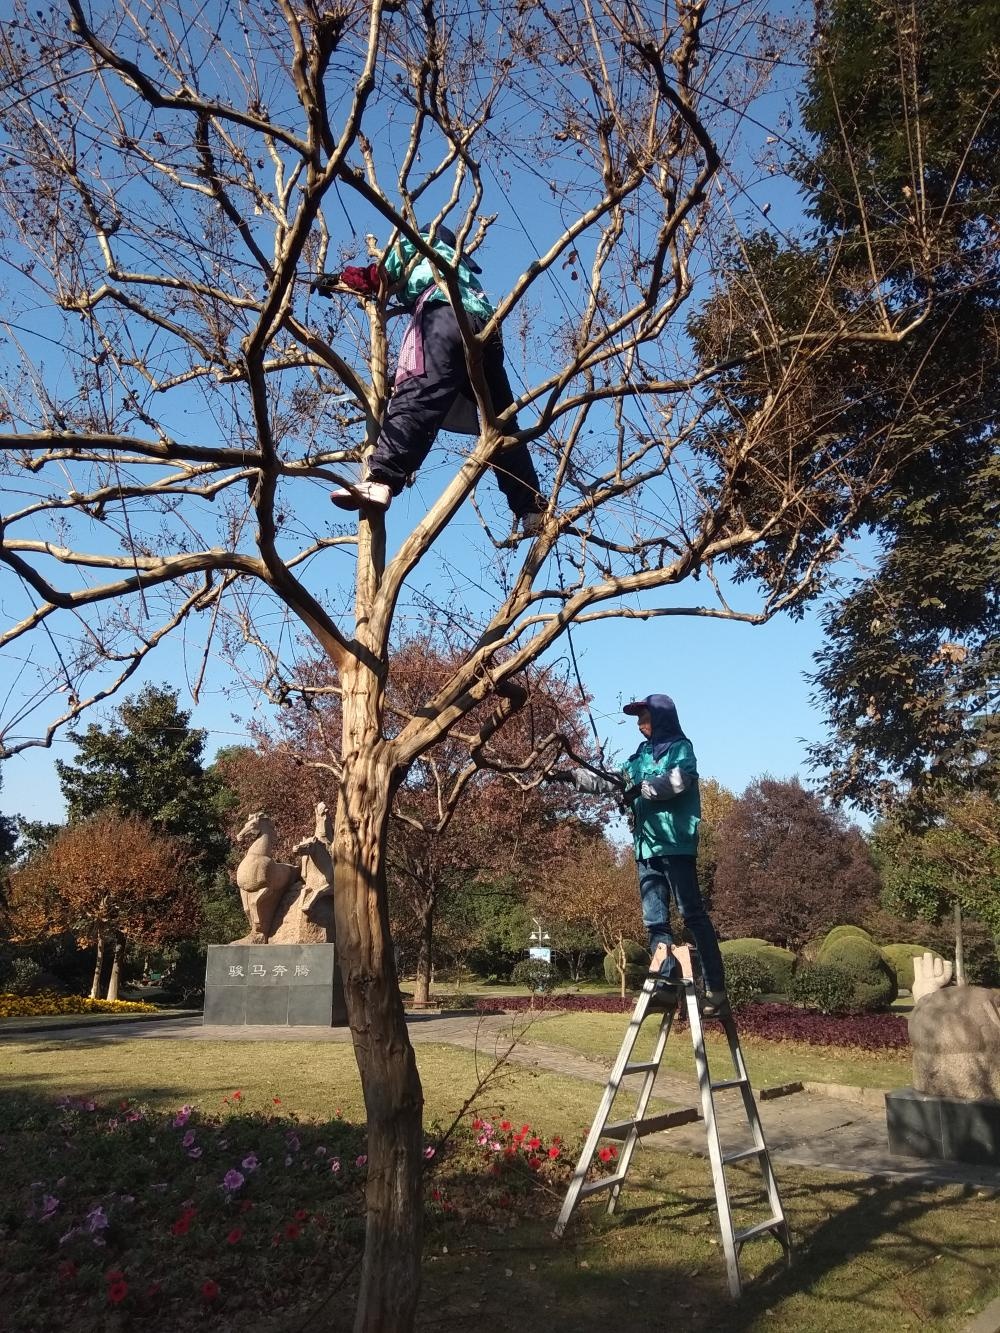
625	1157
780	1230
604	1110
723	1207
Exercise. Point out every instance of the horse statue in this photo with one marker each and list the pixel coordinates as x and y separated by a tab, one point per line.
261	879
317	864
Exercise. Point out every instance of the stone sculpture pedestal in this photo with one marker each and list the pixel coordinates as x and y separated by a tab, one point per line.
274	985
948	1129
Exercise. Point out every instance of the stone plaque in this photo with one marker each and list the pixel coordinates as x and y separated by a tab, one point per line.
276	985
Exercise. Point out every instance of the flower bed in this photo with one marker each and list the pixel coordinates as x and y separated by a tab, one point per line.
772	1022
47	1004
112	1215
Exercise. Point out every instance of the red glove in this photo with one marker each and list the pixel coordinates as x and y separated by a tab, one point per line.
364	281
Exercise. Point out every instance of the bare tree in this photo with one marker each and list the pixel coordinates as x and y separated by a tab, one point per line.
177	400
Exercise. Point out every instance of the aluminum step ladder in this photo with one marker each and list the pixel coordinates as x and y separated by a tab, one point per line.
630	1131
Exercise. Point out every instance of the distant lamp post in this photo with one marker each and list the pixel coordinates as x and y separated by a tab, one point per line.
538	943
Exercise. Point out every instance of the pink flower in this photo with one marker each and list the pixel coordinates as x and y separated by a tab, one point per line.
429	1152
250	1162
194	1153
495	1147
188	1140
182	1117
49	1205
97	1219
233	1180
362	1160
335	1164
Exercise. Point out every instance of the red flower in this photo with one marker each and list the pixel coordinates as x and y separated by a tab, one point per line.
506	1126
553	1152
505	1201
435	1195
509	1153
292	1232
209	1290
301	1215
67	1270
534	1143
534	1163
525	1129
117	1291
235	1236
477	1123
237	1096
182	1226
607	1154
276	1100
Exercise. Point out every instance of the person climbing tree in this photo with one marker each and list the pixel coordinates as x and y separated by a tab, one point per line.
432	388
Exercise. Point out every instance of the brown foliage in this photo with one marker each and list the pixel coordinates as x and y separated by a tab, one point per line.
109	876
789	867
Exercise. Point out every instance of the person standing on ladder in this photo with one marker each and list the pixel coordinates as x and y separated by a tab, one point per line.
431	389
660	784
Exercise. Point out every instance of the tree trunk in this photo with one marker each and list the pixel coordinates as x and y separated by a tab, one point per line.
959	948
116	967
95	985
390	1273
422	989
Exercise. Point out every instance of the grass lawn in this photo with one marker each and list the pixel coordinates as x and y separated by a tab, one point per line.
600	1035
882	1255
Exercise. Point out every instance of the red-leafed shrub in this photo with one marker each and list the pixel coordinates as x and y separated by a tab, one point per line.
771	1022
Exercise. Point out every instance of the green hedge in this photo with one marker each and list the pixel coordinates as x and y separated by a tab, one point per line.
829	989
874	980
845	932
746	978
777	962
900	958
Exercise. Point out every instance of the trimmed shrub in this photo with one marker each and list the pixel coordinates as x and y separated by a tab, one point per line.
746	978
843	932
874	980
636	966
537	975
777	962
900	958
829	989
25	977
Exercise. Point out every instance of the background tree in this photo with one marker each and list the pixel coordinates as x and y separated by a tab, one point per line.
716	803
111	879
149	764
8	836
909	674
169	202
595	888
789	867
455	824
927	872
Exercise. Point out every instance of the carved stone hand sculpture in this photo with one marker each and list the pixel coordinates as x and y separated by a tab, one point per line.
955	1034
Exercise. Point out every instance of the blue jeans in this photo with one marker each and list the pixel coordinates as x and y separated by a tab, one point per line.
662	878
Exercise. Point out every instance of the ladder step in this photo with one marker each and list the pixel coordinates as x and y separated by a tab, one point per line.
730	1083
758	1229
742	1154
642	1067
652	1124
605	1183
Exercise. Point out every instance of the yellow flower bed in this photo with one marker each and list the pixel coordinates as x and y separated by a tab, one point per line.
48	1003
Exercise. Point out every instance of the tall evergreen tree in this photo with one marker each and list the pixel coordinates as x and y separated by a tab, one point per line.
149	763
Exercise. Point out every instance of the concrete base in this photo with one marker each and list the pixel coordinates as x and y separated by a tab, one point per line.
278	985
946	1129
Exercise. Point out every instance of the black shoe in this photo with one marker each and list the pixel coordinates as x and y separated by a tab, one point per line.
663	1000
715	1004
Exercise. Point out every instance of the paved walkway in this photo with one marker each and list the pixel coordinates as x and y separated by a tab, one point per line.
808	1128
